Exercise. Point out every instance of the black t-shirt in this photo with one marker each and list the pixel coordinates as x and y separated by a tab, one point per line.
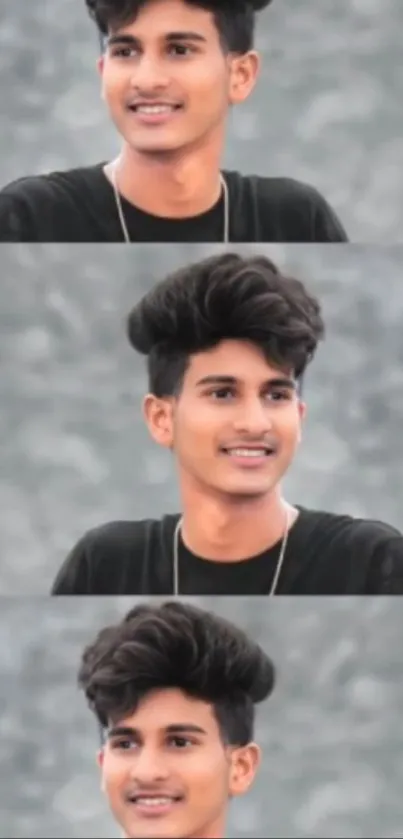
326	554
79	206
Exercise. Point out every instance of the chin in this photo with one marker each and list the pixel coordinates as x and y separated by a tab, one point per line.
158	150
246	493
152	832
155	145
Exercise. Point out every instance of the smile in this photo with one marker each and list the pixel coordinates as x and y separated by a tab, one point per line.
153	802
255	457
154	109
155	805
262	452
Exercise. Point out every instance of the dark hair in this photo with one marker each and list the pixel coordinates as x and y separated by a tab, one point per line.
177	645
223	297
234	18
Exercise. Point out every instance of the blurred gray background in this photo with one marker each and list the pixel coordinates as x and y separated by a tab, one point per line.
331	732
327	109
74	451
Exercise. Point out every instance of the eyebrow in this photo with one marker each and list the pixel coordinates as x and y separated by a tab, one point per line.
130	40
180	728
279	381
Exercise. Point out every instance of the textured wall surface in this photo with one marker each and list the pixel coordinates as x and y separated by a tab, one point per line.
74	451
331	732
327	109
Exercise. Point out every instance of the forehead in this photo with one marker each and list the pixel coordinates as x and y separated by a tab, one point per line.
240	359
164	708
166	16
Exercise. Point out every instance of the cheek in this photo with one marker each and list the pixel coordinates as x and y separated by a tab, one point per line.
114	774
207	76
207	778
113	80
288	427
196	429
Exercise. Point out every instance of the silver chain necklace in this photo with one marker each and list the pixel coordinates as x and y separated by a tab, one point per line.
277	569
121	214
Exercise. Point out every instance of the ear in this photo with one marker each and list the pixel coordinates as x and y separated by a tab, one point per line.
100	762
244	73
158	414
245	763
100	68
100	65
302	414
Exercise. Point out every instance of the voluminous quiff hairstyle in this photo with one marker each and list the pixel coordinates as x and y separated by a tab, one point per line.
234	18
180	646
224	297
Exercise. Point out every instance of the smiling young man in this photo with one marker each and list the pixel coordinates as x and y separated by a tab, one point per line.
171	70
174	690
227	341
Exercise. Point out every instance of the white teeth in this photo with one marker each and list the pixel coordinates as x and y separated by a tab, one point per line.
248	452
154	802
155	109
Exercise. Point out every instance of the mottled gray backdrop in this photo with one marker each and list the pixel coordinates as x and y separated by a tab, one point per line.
327	109
331	733
74	451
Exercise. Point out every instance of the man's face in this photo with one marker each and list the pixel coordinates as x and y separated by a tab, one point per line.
167	773
170	60
236	424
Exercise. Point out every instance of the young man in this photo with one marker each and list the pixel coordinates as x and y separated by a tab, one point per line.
170	70
227	341
173	689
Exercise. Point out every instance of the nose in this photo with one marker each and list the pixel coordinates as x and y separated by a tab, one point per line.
149	767
252	418
149	75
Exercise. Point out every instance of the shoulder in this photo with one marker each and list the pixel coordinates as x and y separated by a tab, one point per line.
372	549
384	546
376	531
283	189
369	531
40	186
106	554
38	208
118	535
292	195
298	205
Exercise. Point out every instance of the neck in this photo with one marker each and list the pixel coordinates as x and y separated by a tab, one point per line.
173	185
228	529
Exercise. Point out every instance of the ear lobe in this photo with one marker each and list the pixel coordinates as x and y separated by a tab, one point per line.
158	416
302	410
245	764
100	762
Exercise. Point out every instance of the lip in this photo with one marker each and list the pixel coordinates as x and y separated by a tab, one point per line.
156	810
248	462
157	118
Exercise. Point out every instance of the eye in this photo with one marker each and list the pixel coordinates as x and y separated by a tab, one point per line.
124	52
180	742
222	393
180	49
122	745
279	395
